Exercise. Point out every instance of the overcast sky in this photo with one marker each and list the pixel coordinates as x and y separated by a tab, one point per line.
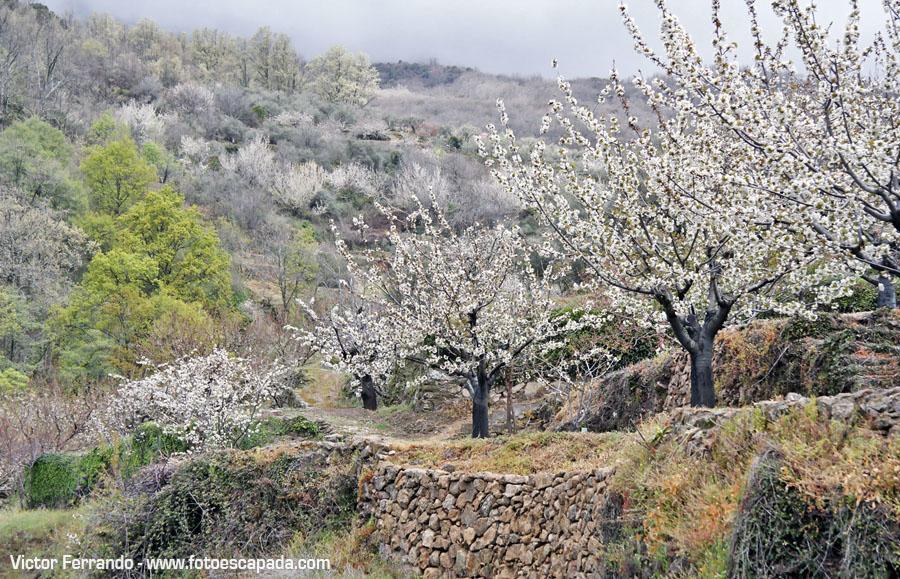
499	36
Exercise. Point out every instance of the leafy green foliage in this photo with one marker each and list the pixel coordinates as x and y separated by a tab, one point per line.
145	446
116	176
104	129
189	261
18	330
35	157
12	380
271	428
160	159
862	299
59	480
161	259
62	479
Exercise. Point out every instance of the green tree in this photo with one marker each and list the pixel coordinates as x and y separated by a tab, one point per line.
291	251
164	265
190	262
160	159
35	157
106	315
11	380
116	175
18	328
339	76
106	129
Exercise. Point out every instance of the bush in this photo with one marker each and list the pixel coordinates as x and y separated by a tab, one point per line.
778	533
862	298
62	479
59	480
145	446
269	429
244	503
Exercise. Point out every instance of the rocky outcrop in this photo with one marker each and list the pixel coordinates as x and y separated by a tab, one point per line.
875	409
445	524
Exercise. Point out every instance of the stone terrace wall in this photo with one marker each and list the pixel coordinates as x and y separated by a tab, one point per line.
446	524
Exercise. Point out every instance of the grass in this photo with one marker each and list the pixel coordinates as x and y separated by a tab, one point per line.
38	533
393	410
523	453
351	551
324	387
270	429
33	523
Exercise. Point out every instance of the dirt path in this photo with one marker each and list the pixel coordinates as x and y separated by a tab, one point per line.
391	425
398	426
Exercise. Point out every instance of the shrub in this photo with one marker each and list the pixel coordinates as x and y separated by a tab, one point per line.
862	298
59	480
145	446
62	479
779	533
271	428
245	503
209	401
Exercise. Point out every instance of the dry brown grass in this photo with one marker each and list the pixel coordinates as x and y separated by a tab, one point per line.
324	387
518	454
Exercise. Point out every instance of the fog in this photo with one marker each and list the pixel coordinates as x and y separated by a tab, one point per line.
498	36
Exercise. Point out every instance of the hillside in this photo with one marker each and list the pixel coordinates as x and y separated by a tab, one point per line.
261	308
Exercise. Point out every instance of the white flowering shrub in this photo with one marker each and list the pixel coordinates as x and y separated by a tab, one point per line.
194	150
418	181
253	161
145	123
355	176
293	186
190	98
823	123
209	401
292	119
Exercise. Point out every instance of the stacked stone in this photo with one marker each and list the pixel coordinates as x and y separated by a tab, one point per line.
878	409
447	524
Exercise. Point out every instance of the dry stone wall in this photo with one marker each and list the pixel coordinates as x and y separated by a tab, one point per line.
448	524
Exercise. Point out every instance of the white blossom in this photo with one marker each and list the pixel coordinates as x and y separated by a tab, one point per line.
145	123
670	220
210	401
825	125
466	303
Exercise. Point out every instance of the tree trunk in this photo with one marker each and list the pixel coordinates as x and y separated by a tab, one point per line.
510	407
887	293
480	399
703	392
369	394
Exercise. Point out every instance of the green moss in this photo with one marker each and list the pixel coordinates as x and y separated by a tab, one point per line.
59	480
862	299
798	328
835	371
